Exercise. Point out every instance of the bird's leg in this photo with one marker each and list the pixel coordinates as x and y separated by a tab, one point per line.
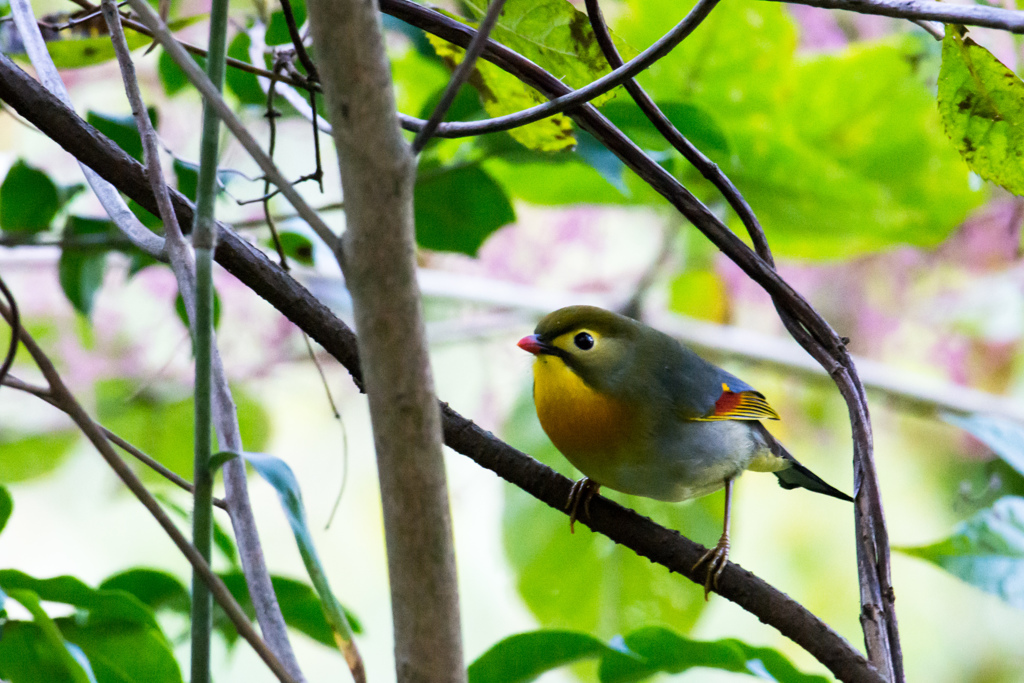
718	556
581	491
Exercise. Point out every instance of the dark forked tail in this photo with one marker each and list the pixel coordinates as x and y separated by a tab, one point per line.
796	475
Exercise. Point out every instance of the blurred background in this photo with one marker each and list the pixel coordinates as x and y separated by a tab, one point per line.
826	122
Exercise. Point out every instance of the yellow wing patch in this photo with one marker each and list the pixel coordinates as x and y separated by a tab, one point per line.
740	405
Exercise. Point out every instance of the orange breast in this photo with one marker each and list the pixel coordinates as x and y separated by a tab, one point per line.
584	425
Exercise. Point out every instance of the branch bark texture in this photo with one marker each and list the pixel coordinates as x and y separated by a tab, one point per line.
377	255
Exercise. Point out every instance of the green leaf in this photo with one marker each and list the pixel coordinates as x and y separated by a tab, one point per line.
556	36
102	605
554	179
156	589
501	93
659	650
179	309
172	77
296	246
300	607
75	53
696	123
641	654
1004	437
117	633
242	83
986	551
277	29
610	589
122	129
855	164
49	647
458	208
525	656
28	200
187	175
277	473
602	160
24	457
6	507
162	427
81	270
982	106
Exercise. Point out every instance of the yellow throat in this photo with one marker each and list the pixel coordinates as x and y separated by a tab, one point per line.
582	423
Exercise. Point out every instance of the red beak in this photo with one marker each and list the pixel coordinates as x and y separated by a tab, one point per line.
532	344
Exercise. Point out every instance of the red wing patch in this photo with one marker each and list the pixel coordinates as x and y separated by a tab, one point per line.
741	405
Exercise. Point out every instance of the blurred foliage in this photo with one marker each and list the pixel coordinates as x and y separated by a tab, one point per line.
638	656
458	207
986	551
162	591
982	106
162	427
118	635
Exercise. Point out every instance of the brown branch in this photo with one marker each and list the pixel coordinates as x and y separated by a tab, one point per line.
270	282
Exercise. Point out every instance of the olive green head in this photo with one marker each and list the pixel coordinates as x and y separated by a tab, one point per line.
598	345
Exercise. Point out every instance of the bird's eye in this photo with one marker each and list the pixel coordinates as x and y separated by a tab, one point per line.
584	341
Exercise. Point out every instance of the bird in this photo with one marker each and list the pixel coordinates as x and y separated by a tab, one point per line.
635	410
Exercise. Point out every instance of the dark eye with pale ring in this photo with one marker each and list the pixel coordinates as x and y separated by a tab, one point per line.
584	341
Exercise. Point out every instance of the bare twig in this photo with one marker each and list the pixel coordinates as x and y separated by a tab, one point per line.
155	465
238	129
459	76
15	321
929	10
300	47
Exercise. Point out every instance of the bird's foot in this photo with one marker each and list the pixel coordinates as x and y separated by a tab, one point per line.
581	491
716	559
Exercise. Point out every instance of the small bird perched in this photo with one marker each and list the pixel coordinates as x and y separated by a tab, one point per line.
636	411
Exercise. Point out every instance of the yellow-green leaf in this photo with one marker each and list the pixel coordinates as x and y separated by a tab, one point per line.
982	107
501	93
554	35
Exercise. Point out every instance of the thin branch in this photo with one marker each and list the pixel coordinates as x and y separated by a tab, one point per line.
63	399
15	321
571	99
460	76
928	10
300	47
37	391
238	129
257	577
266	279
112	203
698	159
155	465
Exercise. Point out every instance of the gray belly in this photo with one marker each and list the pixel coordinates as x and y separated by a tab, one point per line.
693	461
